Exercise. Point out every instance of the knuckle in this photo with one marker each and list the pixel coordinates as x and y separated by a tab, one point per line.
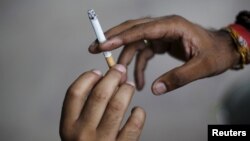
177	18
154	27
133	130
74	92
139	27
128	22
135	124
132	135
100	95
116	106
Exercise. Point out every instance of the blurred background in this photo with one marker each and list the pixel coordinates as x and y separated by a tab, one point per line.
43	48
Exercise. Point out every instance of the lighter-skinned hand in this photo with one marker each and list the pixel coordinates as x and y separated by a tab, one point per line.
95	105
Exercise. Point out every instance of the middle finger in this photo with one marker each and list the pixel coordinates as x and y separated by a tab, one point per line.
100	96
112	118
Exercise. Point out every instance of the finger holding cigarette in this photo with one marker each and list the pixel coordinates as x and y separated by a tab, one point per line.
100	36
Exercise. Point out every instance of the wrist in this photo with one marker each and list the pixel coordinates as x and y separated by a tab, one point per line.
224	39
229	42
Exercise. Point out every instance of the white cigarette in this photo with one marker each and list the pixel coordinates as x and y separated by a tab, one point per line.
100	35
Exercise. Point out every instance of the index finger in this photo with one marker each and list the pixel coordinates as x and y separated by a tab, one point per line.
118	29
168	27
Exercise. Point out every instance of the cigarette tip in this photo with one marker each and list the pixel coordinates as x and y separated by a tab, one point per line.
91	10
91	13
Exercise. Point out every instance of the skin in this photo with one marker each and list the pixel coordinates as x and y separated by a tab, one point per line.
205	53
94	107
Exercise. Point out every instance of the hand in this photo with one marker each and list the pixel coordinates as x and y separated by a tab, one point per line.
206	53
94	107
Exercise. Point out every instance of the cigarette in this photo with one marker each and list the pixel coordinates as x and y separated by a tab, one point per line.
100	36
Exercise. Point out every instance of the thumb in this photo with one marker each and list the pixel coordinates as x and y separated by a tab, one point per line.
180	76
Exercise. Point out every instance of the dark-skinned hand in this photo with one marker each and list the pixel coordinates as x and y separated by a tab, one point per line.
205	53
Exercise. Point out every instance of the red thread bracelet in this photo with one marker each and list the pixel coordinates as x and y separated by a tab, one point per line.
241	38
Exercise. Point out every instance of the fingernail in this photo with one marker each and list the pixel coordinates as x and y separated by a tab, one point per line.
160	88
97	72
120	68
131	83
